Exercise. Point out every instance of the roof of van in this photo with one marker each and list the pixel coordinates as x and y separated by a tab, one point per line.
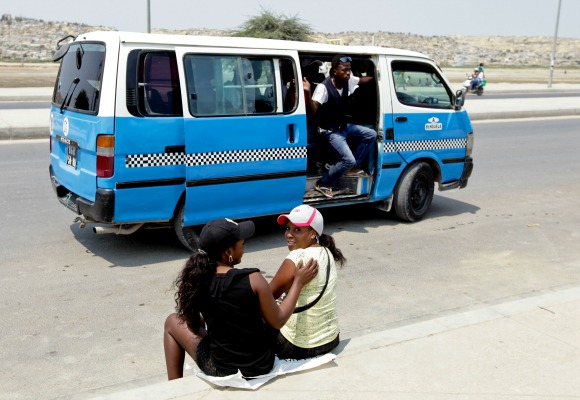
243	42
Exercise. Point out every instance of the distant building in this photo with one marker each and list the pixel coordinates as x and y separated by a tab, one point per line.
334	41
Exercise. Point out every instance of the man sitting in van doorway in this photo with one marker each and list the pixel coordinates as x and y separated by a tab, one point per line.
329	103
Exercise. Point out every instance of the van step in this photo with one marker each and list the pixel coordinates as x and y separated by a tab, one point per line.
347	185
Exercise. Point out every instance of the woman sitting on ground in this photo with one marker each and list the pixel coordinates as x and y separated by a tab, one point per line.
221	309
313	328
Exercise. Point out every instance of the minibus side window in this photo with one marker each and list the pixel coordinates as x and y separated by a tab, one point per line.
158	90
79	81
222	85
420	85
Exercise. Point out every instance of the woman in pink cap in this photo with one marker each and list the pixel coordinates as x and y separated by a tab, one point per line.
313	328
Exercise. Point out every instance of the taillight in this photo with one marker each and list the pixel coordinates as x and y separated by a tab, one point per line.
105	156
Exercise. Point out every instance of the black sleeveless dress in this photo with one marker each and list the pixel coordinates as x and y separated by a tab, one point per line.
237	335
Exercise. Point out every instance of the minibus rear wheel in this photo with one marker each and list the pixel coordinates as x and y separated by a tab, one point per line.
187	235
414	192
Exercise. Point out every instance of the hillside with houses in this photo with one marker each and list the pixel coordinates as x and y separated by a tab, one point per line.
31	40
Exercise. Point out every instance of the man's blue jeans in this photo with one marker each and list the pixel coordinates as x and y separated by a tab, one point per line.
475	82
361	138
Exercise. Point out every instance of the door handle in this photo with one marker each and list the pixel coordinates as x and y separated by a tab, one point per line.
291	133
401	119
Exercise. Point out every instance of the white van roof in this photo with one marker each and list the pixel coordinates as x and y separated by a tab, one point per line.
243	42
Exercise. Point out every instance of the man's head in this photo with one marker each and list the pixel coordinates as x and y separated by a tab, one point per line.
340	67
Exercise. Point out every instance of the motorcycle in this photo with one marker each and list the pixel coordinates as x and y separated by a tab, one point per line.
467	85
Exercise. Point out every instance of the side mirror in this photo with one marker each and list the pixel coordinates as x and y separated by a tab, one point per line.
62	49
459	99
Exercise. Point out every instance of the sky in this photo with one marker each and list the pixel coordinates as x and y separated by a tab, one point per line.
420	17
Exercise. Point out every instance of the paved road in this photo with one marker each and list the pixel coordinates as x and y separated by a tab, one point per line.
24	105
82	311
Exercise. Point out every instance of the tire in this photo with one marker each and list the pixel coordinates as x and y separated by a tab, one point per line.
414	192
480	91
187	235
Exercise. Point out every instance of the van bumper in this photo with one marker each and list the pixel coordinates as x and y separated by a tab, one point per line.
101	210
467	169
462	181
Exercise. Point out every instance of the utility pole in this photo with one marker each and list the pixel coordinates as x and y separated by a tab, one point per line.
553	57
149	16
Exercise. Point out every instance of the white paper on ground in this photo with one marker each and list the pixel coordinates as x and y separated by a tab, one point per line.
281	367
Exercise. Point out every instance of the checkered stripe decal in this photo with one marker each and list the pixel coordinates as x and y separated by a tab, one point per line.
217	157
418	145
154	160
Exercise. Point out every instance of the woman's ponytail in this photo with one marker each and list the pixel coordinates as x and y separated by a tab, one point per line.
192	286
328	242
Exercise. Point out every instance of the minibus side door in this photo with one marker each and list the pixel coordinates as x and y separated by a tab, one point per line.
245	156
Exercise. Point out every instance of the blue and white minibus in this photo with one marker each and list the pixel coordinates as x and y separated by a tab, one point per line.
176	130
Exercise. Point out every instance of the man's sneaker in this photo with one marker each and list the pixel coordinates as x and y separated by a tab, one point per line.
322	168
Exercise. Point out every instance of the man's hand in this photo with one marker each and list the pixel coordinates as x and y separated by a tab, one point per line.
306	84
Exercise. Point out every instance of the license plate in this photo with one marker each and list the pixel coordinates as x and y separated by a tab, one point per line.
71	148
71	158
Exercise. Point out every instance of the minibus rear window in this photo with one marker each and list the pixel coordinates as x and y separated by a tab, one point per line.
79	80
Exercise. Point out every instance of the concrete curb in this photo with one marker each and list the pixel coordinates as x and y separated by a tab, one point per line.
12	133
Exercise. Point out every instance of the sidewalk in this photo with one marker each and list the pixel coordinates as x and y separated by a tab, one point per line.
527	348
33	123
488	109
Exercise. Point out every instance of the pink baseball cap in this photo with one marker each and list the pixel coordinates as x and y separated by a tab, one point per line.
304	215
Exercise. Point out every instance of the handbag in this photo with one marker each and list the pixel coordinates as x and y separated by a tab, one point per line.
313	302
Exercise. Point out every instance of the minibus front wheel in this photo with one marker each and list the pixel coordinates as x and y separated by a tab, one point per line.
187	235
414	192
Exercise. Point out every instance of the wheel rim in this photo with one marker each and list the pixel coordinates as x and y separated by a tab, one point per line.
419	191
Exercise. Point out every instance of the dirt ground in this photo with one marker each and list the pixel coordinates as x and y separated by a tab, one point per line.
13	75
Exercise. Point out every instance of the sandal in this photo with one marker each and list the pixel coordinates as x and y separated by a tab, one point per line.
325	191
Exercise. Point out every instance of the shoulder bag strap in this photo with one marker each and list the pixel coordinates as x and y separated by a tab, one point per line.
313	302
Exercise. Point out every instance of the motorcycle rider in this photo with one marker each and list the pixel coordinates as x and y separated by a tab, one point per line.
476	78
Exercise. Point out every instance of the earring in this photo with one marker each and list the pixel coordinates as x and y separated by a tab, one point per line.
230	259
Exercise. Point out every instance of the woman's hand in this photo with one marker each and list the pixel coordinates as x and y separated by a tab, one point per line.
276	316
305	273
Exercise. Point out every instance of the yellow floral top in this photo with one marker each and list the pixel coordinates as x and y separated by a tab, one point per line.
319	324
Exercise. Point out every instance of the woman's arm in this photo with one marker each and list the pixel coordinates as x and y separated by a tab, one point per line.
274	314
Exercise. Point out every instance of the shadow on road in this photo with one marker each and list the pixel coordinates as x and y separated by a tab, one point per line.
153	246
